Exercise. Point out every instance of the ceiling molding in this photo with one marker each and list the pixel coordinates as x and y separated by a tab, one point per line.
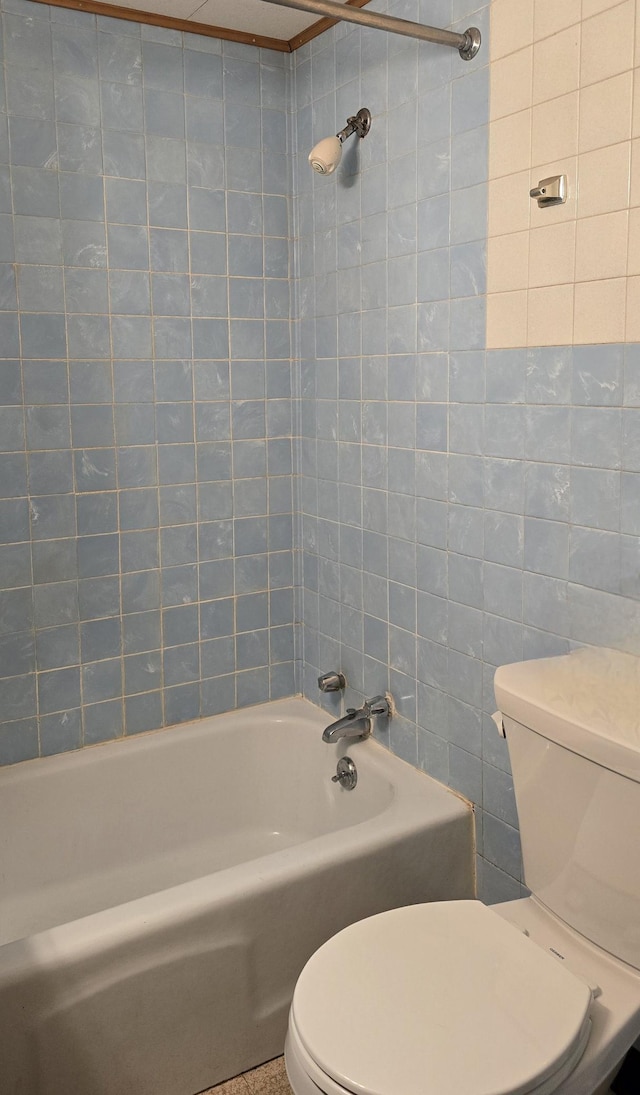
114	11
320	27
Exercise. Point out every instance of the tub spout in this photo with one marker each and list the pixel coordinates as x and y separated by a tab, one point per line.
356	724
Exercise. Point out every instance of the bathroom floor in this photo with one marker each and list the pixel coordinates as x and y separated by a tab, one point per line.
269	1079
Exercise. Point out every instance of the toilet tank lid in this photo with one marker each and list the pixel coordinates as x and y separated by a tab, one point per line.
588	701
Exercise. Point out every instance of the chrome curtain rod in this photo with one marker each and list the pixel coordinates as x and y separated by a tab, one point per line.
467	44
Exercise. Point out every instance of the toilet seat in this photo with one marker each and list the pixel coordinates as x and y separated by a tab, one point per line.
445	998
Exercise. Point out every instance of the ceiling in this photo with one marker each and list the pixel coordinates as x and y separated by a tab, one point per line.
252	21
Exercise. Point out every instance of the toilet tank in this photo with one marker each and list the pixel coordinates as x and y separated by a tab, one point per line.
573	729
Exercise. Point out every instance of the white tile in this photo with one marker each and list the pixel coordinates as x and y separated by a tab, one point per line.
551	16
511	83
593	7
550	316
605	112
510	144
601	247
511	26
506	320
552	254
607	43
603	180
554	131
635	125
507	262
599	311
509	204
556	65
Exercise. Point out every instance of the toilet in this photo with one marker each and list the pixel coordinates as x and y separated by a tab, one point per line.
530	997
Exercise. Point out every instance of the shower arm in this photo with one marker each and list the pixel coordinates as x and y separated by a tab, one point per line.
467	44
360	124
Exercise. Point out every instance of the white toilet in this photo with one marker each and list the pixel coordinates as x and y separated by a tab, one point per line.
529	997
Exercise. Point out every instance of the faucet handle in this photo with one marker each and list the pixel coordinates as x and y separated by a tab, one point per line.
332	682
379	705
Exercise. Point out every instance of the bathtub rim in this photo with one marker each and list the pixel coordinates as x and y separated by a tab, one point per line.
403	816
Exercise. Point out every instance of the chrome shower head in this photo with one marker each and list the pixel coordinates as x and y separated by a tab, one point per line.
326	155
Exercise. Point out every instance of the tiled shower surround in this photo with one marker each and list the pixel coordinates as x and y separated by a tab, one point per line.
460	507
146	477
455	508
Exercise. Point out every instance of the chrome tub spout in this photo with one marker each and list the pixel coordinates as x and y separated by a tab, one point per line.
356	724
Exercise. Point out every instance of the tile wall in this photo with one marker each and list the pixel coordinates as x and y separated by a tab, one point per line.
565	99
467	500
145	380
391	271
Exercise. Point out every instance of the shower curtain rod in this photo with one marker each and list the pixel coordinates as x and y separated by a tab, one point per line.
467	44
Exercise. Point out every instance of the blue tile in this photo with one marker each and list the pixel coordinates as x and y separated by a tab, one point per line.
130	292
126	201
128	247
74	51
120	55
596	437
131	335
133	383
81	197
162	66
18	741
37	240
35	193
546	547
10	384
141	591
41	289
54	560
99	597
594	559
143	712
61	732
80	149
58	690
102	680
595	497
95	469
139	550
506	372
90	382
548	375
56	604
96	513
86	292
143	672
102	721
124	155
165	160
547	491
48	427
91	426
33	142
164	114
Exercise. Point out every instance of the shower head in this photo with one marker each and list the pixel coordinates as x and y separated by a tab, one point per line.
326	155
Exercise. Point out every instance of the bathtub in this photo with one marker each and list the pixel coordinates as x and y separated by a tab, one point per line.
160	895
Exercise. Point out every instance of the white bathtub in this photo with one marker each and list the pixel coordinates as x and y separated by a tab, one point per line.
159	896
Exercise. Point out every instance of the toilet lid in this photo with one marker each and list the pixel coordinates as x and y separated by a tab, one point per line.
446	997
